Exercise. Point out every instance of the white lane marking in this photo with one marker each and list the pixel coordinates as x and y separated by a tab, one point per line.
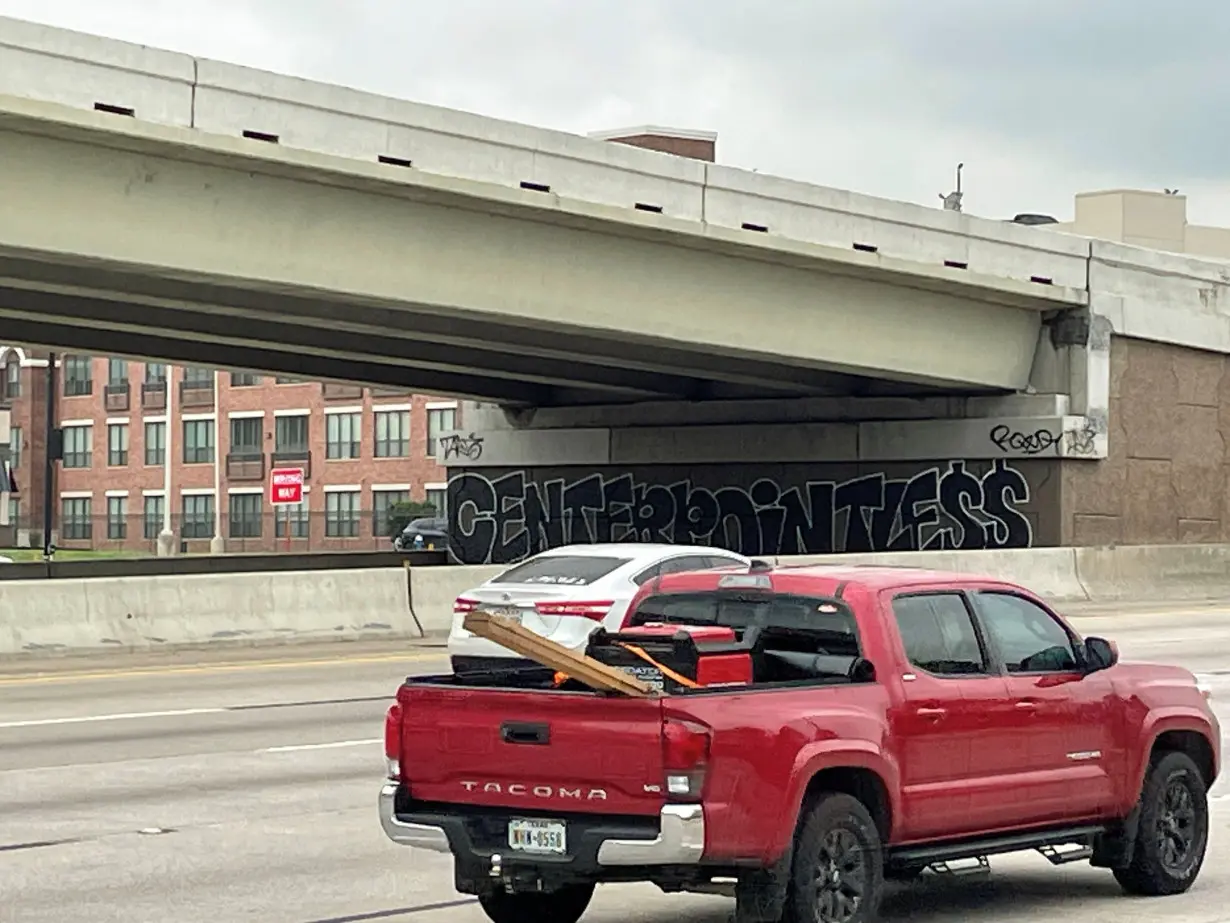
330	746
130	716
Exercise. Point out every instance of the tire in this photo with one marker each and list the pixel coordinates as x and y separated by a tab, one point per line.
837	826
566	905
1173	807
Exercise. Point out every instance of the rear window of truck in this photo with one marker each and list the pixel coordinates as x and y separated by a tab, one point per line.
562	570
804	623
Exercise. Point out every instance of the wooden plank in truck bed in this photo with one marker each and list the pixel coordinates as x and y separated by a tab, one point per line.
520	640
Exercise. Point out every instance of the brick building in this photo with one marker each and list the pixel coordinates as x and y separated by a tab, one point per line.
362	450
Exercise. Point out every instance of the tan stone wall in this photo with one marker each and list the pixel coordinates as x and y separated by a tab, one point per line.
1165	480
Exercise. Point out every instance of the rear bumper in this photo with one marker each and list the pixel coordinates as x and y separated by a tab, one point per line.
678	840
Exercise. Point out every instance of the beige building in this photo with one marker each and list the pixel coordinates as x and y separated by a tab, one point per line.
1145	219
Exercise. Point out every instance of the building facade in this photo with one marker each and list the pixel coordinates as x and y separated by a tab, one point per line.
131	428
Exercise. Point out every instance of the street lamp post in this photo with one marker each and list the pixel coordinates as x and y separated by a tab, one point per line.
166	538
217	545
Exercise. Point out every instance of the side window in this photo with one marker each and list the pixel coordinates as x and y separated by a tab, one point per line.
684	563
938	634
1028	638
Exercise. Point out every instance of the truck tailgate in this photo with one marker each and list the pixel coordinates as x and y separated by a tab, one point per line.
545	751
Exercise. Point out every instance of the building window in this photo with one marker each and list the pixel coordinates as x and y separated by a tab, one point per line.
197	377
294	516
342	514
392	433
290	434
438	498
244	379
117	445
198	516
76	522
155	443
283	380
343	435
439	422
15	446
154	372
78	377
12	379
245	516
198	442
78	446
383	502
155	511
117	371
247	435
117	518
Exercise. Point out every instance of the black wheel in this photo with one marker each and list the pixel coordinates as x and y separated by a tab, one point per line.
838	874
566	905
1174	829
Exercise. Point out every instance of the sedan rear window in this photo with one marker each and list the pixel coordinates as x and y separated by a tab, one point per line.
561	570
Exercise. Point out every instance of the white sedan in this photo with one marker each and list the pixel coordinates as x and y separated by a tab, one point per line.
566	593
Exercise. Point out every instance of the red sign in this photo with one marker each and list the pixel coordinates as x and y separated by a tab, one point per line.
286	486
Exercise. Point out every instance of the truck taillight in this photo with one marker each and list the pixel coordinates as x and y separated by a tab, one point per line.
586	610
392	742
461	605
685	757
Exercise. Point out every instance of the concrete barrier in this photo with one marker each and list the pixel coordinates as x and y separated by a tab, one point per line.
1145	572
141	613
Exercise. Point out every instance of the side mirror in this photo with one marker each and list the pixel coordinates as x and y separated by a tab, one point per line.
1100	654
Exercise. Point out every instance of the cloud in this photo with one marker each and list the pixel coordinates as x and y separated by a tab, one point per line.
1040	98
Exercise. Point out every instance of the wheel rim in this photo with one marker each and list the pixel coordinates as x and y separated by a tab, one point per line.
841	877
1176	827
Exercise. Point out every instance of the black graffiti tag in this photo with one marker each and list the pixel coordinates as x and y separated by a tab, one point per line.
1007	439
501	519
457	446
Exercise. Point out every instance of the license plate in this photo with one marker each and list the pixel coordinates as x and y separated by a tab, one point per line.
508	612
538	836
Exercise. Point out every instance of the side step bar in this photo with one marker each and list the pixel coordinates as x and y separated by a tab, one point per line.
1045	841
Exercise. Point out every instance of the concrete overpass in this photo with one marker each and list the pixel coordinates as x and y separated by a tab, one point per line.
123	236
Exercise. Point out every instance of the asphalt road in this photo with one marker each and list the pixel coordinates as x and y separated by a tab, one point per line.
241	786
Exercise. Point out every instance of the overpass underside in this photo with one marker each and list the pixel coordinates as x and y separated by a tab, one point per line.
127	238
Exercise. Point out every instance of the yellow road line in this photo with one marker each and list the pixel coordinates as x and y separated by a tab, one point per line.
223	667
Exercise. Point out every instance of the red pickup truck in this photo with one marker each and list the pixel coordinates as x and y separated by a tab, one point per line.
896	720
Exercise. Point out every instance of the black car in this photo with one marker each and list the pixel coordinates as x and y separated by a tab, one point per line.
423	534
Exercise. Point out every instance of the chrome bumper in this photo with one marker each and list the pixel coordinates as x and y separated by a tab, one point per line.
420	836
680	840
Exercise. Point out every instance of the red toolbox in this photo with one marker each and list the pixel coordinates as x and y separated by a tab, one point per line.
676	657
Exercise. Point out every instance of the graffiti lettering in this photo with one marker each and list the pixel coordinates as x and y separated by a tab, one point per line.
1035	443
1081	441
457	446
501	519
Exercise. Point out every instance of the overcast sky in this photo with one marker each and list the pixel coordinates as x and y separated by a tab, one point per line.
1040	98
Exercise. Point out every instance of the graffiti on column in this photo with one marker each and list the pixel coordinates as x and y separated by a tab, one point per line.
502	518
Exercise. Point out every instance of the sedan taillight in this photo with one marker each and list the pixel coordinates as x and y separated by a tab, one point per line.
462	605
596	611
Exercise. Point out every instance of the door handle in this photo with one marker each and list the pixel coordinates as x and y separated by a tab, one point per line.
935	714
1026	705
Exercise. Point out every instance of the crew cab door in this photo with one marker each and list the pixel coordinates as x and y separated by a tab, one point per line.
1065	718
948	718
